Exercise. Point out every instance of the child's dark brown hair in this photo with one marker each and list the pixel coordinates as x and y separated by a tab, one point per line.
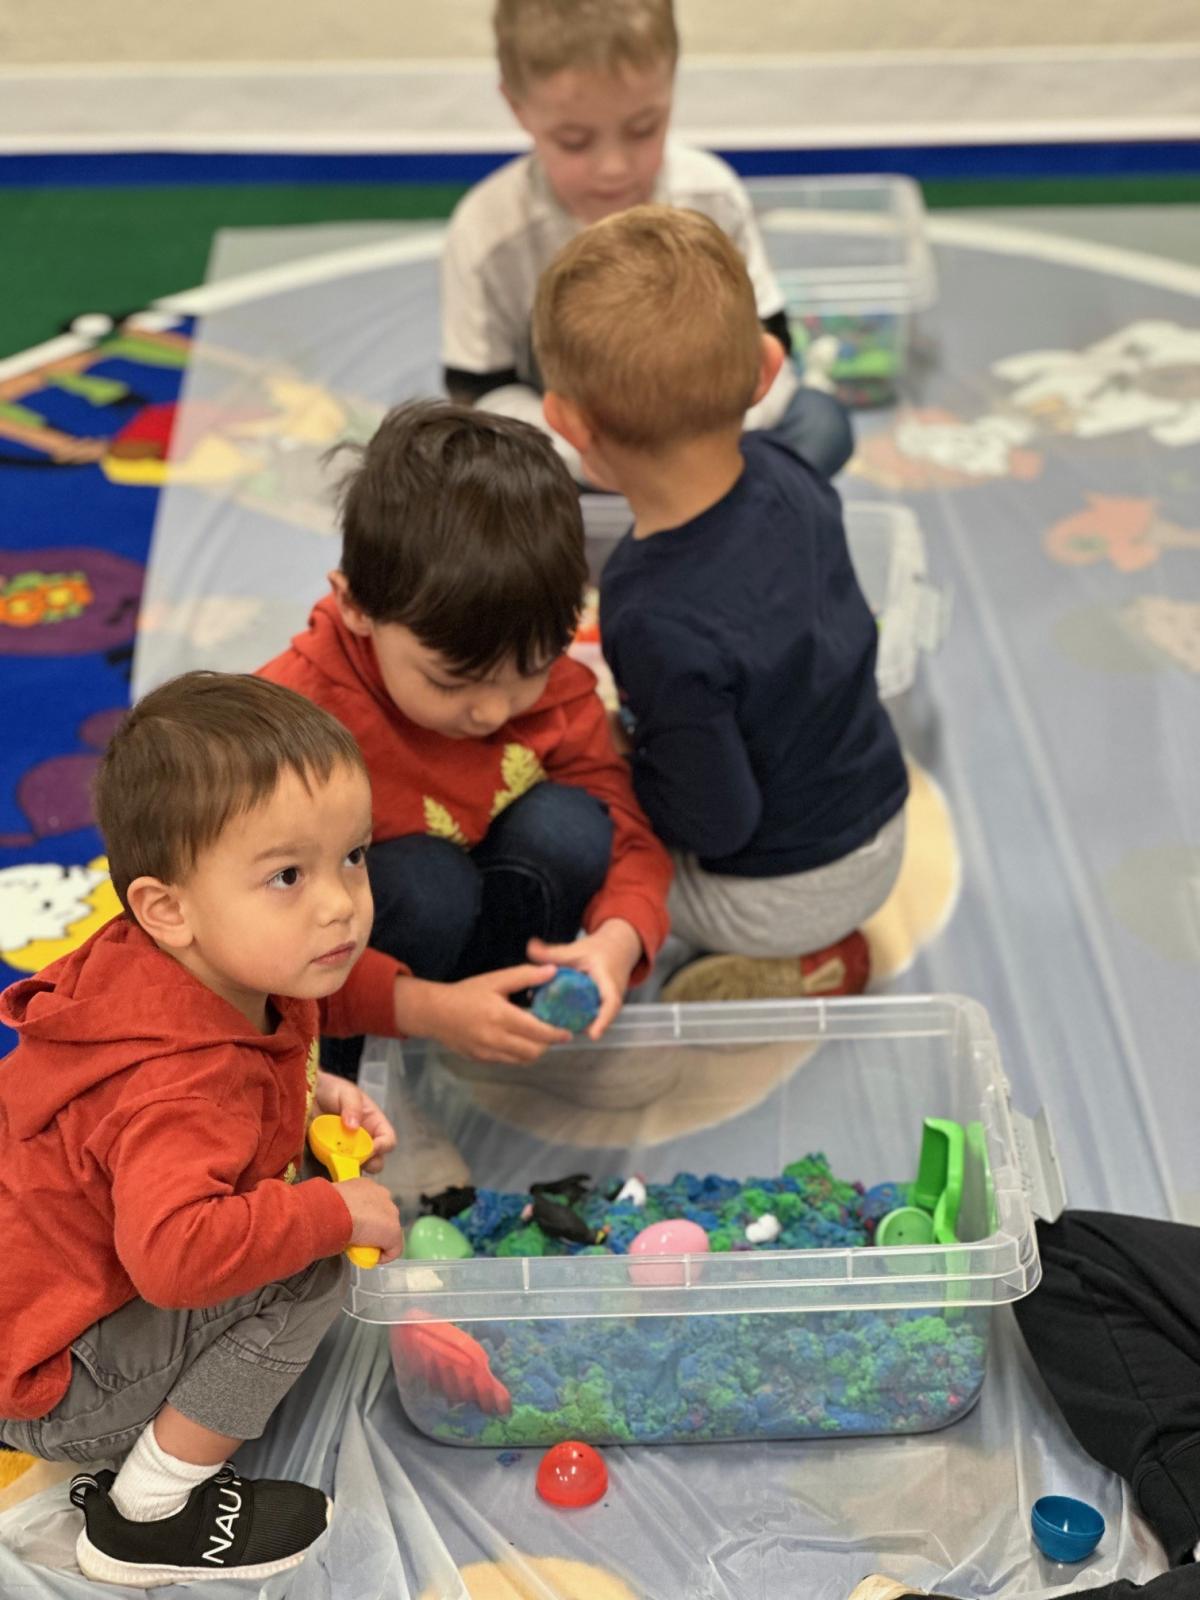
196	752
465	528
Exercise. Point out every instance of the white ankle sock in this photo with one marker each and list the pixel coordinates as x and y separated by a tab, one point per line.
151	1484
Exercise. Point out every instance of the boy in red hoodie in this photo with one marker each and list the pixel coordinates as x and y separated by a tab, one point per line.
164	1278
504	819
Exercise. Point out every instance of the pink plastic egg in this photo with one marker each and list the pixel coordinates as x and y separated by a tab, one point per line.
676	1238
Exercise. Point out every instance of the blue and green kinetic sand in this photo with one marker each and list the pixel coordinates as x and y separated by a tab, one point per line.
711	1377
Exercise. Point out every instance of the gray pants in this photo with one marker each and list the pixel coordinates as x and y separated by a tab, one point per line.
226	1367
787	916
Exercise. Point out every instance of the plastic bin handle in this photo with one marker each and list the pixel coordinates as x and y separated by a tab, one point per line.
1041	1173
932	620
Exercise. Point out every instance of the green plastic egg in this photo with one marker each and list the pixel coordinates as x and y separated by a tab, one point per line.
433	1239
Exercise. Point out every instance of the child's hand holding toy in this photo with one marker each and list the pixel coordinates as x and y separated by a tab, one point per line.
339	1097
376	1236
375	1231
608	956
476	1017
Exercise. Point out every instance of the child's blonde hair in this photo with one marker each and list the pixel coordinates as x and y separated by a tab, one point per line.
647	321
536	38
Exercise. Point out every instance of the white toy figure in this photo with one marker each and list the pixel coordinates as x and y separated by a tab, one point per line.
765	1230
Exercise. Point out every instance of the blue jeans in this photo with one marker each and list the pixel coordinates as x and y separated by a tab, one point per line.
817	427
449	913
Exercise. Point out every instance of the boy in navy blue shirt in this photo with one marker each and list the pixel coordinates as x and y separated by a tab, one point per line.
730	616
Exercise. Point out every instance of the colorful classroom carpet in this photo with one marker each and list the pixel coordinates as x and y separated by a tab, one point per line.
84	428
83	439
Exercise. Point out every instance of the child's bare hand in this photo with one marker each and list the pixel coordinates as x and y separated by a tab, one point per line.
357	1110
476	1018
608	956
374	1219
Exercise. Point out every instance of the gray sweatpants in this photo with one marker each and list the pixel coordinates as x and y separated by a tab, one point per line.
225	1366
787	916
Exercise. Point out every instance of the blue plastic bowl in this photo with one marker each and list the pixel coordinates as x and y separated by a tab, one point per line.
1066	1529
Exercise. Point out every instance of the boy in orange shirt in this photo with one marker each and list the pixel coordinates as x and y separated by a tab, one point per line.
165	1279
504	819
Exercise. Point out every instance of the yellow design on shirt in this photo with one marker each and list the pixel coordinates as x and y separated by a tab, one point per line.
521	771
440	823
311	1067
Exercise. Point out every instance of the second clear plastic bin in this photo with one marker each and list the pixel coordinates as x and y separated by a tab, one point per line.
887	548
749	1344
855	269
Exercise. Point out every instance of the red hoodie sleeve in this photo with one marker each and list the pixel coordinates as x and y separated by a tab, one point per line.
640	874
184	1235
366	1002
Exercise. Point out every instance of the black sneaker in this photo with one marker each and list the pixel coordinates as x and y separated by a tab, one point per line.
230	1527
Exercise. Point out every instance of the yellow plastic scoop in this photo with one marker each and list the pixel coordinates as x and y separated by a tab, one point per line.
342	1151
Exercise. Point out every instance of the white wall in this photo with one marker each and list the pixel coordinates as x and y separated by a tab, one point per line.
96	31
418	74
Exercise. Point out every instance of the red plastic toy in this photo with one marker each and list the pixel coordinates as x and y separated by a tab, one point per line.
447	1359
572	1474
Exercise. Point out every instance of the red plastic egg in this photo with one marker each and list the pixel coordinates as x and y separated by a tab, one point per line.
572	1474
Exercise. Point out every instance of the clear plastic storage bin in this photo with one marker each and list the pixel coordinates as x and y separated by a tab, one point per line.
749	1344
855	268
887	548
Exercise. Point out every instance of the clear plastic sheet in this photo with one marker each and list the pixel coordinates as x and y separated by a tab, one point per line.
291	358
1066	740
729	1522
1060	722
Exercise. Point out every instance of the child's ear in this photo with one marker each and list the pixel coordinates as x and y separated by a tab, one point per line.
159	911
772	359
565	418
351	612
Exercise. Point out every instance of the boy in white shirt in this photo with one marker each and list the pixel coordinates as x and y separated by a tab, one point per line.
591	82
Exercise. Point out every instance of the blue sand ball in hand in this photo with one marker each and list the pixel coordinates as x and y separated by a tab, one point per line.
570	1000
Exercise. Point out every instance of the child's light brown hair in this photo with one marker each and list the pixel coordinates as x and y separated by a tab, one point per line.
647	321
196	752
537	38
